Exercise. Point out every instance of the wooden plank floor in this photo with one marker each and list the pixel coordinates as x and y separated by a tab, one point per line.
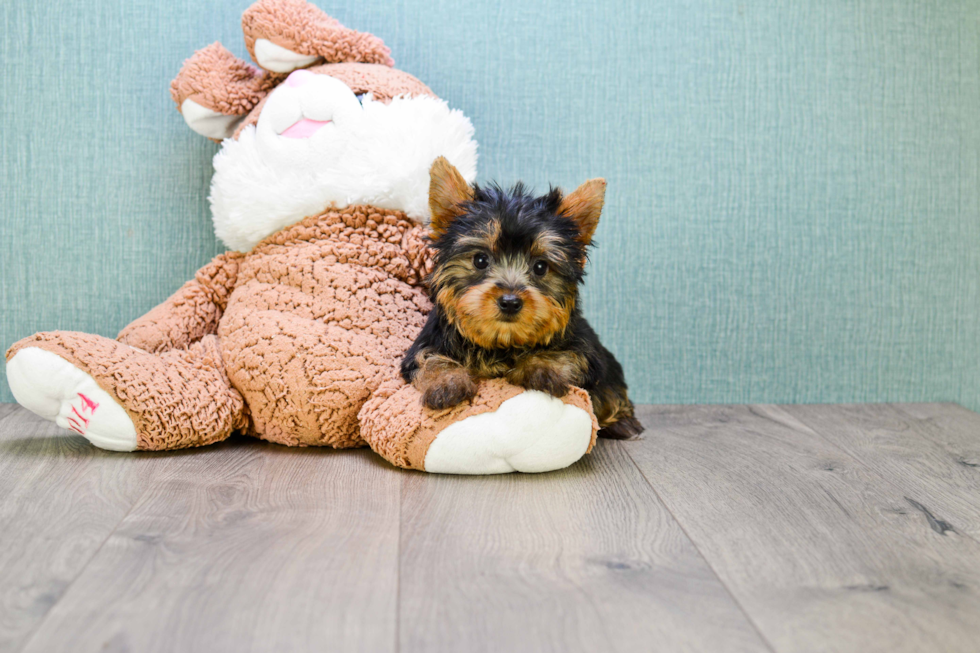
725	528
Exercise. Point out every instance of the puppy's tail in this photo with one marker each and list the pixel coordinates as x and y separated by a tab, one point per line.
626	428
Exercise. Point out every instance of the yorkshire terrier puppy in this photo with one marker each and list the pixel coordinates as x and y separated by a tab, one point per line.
507	268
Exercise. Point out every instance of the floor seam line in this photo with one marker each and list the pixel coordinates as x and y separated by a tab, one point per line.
398	568
738	604
40	624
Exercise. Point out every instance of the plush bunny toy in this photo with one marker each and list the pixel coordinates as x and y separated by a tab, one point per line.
294	336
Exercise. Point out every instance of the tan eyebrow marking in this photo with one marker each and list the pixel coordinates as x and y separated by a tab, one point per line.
547	245
487	238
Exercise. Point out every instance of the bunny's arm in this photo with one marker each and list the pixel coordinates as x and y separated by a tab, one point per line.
190	313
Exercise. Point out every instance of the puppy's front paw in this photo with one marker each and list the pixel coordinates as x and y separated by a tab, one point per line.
448	391
544	379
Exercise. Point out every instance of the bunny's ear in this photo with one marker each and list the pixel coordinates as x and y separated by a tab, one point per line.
447	192
283	35
214	90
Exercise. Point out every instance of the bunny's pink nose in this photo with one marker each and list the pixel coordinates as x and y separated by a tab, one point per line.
299	77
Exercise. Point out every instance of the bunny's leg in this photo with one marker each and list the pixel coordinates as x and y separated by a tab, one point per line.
503	429
122	398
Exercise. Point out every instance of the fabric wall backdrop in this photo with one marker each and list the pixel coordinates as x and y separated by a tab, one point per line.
792	213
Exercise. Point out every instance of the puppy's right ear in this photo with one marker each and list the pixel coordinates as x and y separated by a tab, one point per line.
447	192
583	206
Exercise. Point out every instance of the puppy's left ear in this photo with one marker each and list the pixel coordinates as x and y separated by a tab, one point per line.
447	191
583	206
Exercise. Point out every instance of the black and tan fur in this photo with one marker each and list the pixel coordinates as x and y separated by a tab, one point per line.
508	266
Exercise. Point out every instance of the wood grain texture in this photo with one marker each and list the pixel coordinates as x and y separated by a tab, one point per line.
726	528
6	410
932	451
823	552
586	559
243	547
60	498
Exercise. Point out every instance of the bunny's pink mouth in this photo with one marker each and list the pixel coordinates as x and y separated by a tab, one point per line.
304	128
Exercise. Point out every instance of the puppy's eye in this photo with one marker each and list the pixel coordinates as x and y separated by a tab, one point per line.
481	261
540	268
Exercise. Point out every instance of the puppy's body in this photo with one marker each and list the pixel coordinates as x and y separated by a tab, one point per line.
505	288
451	363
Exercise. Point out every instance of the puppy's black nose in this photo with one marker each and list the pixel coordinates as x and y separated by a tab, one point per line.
510	304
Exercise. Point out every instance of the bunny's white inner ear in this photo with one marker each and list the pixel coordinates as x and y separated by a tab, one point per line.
207	122
278	59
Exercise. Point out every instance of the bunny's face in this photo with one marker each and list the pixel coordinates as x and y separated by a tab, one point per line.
353	131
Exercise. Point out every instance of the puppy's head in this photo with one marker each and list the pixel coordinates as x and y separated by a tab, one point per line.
508	264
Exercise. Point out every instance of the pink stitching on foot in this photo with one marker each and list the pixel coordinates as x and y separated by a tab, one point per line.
88	406
87	403
80	416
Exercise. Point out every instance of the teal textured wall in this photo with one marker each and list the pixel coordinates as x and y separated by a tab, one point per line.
793	209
